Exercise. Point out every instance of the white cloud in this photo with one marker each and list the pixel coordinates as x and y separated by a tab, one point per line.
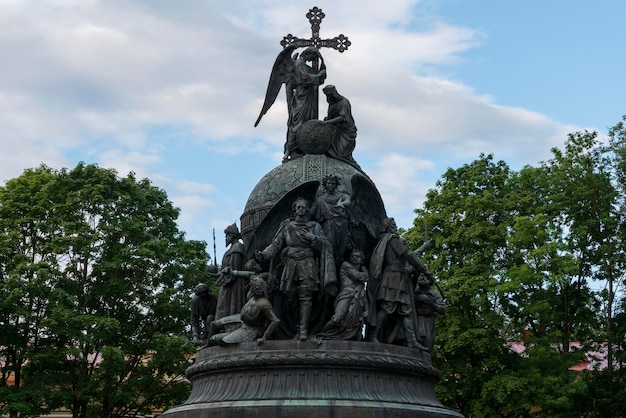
401	182
124	83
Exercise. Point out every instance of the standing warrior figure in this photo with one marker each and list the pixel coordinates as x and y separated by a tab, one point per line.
307	262
301	83
390	289
332	211
232	294
344	128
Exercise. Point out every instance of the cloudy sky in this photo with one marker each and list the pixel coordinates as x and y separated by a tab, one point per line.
170	89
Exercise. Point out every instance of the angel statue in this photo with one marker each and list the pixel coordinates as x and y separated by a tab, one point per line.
301	82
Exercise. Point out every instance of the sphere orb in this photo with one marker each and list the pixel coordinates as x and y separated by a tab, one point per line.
314	137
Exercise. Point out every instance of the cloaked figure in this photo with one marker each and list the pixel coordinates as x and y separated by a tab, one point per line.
344	129
390	290
233	290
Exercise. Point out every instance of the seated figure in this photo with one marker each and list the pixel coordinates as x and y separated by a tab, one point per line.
257	320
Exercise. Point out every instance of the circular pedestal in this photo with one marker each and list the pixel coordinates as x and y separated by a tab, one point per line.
301	379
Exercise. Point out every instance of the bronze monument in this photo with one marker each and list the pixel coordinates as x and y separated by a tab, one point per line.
345	327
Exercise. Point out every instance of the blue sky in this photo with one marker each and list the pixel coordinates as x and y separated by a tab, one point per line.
171	89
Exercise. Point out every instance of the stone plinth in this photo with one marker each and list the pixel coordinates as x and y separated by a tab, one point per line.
301	379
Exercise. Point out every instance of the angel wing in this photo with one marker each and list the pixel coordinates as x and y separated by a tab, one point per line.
367	207
282	73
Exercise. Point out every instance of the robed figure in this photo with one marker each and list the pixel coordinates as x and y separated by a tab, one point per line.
233	290
351	303
344	129
332	210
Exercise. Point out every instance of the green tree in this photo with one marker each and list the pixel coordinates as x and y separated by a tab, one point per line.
608	386
564	245
26	287
468	214
515	253
96	279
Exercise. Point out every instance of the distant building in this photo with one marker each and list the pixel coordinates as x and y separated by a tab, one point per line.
595	359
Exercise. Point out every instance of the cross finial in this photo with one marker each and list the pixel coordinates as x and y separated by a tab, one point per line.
315	16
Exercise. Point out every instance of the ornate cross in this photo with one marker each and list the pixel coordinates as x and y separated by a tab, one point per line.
315	16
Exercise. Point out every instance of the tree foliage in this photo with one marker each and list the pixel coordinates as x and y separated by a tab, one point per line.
532	257
94	297
95	280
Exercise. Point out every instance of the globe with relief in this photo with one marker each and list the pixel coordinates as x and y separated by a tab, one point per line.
314	137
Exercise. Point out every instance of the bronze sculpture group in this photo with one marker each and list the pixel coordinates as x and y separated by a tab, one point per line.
327	286
314	278
318	268
302	78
